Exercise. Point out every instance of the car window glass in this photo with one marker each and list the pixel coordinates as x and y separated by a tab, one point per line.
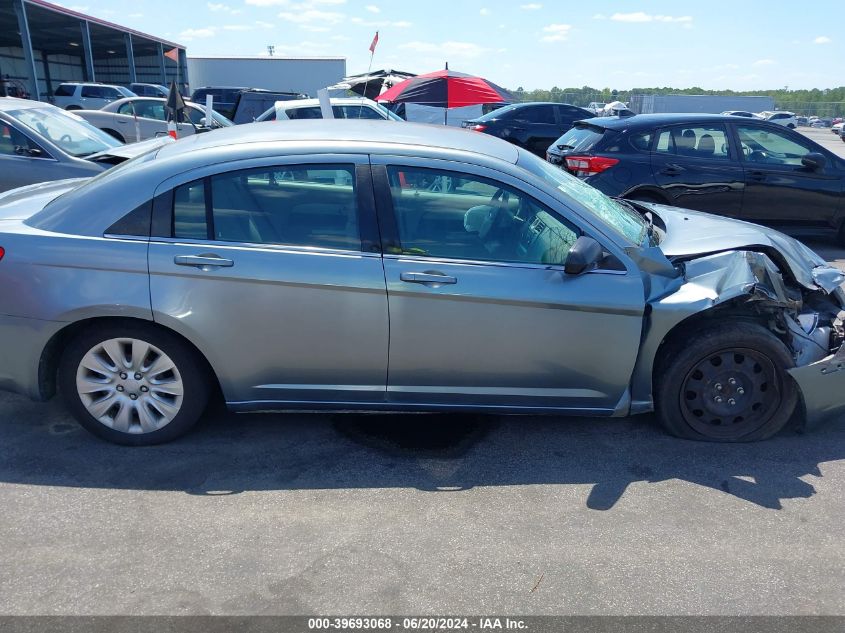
72	134
460	216
580	138
308	205
356	112
641	141
189	217
304	113
762	145
92	92
694	141
109	93
64	90
13	143
535	114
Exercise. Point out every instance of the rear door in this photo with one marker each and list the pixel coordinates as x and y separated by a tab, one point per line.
779	188
697	167
535	126
272	268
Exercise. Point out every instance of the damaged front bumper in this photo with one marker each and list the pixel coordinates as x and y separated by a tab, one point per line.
822	386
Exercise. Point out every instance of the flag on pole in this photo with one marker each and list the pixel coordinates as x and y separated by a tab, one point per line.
374	44
173	54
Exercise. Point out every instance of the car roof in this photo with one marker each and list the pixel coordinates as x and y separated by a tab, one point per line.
13	103
304	103
345	131
656	120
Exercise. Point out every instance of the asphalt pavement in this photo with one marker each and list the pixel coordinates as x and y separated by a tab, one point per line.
424	514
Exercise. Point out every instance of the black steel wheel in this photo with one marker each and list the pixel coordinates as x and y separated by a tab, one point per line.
726	383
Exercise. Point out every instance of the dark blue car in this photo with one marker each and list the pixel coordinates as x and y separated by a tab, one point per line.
732	166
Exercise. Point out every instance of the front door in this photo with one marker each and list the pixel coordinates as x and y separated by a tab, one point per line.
272	272
697	168
23	161
481	312
780	190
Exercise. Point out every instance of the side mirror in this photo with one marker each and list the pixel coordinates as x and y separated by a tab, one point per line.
813	160
584	254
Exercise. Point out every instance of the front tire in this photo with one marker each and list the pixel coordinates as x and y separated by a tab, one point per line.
134	385
725	383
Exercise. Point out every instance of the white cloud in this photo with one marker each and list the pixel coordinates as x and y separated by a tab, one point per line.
822	39
763	62
484	11
219	7
264	25
465	50
531	7
307	16
372	8
295	6
556	32
237	27
380	24
190	34
640	16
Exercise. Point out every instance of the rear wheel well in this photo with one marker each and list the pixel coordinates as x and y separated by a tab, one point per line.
115	134
48	365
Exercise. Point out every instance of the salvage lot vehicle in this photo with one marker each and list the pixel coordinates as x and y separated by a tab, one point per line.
529	125
342	108
118	119
272	261
81	96
737	167
40	142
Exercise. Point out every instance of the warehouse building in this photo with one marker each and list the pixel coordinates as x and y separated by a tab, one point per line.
305	75
43	45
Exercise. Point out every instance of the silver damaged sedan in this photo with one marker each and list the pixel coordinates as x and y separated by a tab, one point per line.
377	265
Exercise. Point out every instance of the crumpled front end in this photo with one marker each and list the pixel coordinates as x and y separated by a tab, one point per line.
806	312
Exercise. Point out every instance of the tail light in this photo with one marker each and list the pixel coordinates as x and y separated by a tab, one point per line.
2	252
589	165
478	127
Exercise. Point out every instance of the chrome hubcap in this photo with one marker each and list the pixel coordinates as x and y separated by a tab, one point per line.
129	385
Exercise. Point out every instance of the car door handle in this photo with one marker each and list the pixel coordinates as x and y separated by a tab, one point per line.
758	176
203	261
427	278
672	170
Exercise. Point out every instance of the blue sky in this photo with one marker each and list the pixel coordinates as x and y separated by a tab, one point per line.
535	44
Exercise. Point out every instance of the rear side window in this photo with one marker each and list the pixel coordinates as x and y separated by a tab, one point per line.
65	90
304	113
641	141
581	138
355	112
699	141
307	205
535	114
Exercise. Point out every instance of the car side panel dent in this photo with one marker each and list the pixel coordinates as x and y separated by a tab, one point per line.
822	384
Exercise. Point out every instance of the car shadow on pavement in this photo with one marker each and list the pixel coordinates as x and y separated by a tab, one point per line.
228	454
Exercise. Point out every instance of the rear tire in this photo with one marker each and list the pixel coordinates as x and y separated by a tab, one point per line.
134	385
725	383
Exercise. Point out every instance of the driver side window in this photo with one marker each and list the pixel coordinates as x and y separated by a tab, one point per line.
772	147
461	216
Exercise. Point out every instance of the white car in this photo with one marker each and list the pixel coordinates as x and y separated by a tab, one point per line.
786	119
596	107
139	118
837	128
342	107
88	96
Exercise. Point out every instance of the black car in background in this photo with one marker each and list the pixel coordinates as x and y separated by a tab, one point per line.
733	166
530	125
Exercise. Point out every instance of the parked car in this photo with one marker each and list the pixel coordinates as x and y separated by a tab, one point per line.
786	119
842	134
530	125
486	278
596	107
40	142
224	97
802	121
149	90
141	118
88	96
743	168
342	108
742	113
836	128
